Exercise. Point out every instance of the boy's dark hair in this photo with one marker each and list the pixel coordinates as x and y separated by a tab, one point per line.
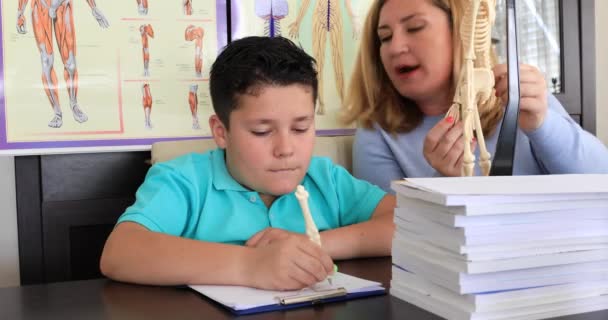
247	65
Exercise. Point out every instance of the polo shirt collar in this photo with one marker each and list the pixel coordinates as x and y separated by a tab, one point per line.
222	180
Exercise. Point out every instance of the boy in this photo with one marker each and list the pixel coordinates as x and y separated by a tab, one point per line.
229	216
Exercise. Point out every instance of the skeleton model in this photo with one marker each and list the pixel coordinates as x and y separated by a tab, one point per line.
476	79
272	11
326	19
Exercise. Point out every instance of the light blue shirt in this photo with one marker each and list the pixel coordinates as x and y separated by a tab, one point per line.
195	197
558	146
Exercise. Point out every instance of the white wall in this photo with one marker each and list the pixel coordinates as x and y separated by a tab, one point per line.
601	70
9	254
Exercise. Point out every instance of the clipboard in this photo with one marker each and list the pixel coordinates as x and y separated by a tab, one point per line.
309	302
243	300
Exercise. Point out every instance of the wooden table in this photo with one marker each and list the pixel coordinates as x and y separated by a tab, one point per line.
105	299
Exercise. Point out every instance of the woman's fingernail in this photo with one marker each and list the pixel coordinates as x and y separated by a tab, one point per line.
449	119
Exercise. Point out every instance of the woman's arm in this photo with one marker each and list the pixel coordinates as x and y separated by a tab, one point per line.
562	146
373	161
559	144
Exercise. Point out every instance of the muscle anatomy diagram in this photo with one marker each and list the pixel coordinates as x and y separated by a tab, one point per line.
146	32
56	17
147	104
326	20
272	12
196	34
187	7
193	102
142	7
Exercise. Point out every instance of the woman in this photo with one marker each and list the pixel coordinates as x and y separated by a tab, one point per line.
403	84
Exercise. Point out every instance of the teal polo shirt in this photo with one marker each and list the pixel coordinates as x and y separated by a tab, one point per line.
195	197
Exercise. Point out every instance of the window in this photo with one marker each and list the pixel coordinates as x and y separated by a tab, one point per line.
538	37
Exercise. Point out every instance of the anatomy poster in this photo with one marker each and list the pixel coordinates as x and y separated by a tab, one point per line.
327	29
105	74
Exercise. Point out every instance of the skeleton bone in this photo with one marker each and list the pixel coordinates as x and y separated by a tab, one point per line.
311	229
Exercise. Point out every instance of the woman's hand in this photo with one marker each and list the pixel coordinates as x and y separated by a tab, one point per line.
444	147
533	103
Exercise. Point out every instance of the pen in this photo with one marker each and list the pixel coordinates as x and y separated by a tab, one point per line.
329	279
311	228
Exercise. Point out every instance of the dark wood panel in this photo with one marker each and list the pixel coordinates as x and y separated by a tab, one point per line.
86	246
55	237
92	176
62	221
29	224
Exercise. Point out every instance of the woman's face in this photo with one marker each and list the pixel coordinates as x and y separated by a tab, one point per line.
416	48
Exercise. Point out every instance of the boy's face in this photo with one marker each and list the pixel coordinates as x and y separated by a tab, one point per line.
271	138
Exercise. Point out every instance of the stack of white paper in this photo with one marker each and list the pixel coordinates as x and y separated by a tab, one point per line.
521	247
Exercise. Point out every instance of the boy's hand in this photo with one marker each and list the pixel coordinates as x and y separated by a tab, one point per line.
268	235
289	263
444	147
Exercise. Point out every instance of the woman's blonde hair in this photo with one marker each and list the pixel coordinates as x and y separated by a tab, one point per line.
371	96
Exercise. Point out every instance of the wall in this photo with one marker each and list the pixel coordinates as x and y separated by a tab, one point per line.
601	48
9	254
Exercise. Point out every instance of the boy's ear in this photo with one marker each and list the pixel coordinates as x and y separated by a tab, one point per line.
219	131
